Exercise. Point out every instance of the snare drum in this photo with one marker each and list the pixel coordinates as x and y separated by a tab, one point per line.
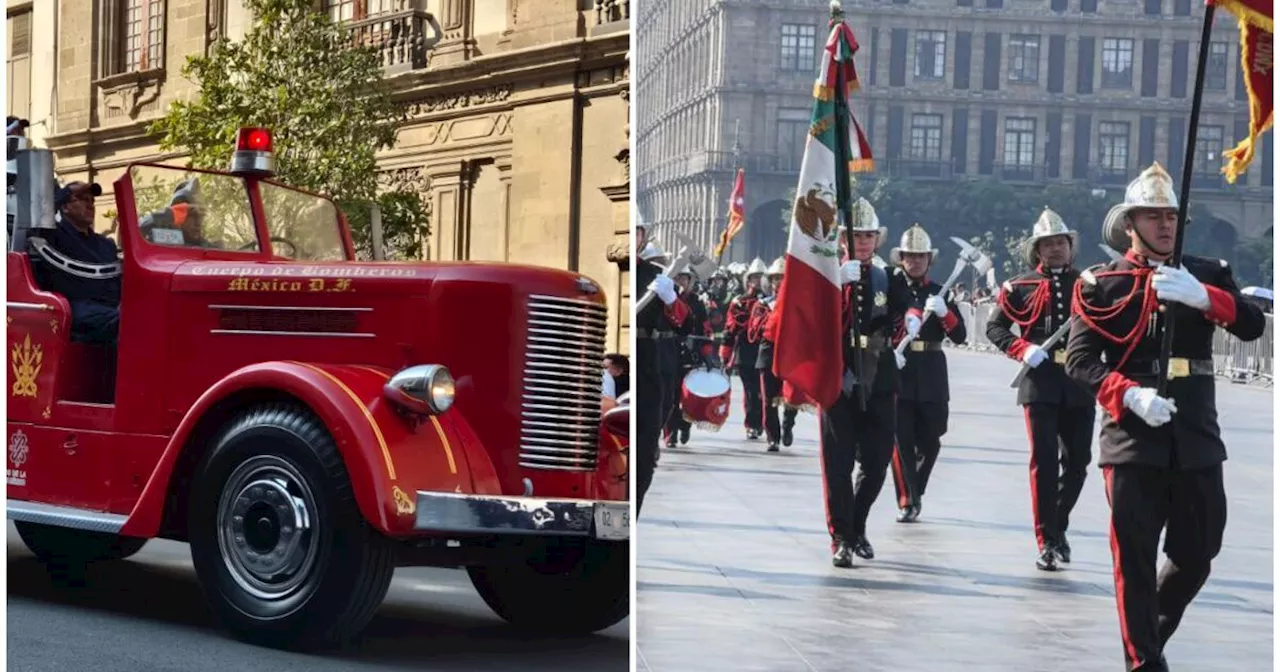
704	398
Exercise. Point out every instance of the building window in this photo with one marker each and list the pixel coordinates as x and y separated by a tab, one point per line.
1208	151
931	54
18	65
1114	143
1117	63
793	131
926	137
355	10
142	33
1215	72
1182	7
1019	141
1024	58
799	47
1088	6
1152	7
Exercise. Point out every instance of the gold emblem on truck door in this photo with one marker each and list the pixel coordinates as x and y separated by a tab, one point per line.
405	505
26	361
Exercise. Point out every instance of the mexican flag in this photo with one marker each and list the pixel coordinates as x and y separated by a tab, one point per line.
807	352
1257	33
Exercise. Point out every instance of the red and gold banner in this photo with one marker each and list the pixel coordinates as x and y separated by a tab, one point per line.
1257	34
737	214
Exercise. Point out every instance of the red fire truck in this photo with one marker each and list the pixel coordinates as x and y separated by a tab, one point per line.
308	422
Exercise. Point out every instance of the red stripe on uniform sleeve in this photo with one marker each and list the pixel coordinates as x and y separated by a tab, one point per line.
950	321
916	311
1019	346
1111	393
1222	306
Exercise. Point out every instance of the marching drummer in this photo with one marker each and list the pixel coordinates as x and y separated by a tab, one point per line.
770	385
924	394
692	353
739	348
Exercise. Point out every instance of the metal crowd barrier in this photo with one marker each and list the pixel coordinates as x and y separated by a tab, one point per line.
1235	360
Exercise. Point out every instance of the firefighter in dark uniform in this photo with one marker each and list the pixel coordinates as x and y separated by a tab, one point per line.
860	424
738	349
770	385
1058	411
924	392
655	359
691	354
1161	457
716	301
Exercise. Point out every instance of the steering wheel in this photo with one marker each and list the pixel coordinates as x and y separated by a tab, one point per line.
293	249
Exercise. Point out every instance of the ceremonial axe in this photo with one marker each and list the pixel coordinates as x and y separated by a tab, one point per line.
969	255
1062	331
689	257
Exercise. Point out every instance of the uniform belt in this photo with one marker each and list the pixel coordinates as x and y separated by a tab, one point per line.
870	342
1179	367
654	334
926	346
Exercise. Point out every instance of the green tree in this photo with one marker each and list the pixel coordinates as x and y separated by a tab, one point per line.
297	73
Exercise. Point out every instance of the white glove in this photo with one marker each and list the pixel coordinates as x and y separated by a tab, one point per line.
936	305
1154	410
1174	283
912	324
850	272
1034	356
665	288
900	359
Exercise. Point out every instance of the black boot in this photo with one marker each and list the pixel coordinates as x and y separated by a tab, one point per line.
1047	561
904	514
843	556
787	438
862	548
773	446
684	435
1063	552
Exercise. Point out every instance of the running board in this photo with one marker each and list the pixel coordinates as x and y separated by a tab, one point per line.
65	516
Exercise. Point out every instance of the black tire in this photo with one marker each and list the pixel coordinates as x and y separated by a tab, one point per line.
345	565
564	587
68	547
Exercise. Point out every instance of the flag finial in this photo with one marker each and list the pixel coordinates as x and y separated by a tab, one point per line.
836	12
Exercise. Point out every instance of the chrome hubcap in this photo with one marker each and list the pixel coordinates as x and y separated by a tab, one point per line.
266	527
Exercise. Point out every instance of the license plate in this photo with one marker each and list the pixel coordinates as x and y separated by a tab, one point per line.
613	521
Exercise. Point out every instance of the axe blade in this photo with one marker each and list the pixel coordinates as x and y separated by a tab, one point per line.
967	250
1111	254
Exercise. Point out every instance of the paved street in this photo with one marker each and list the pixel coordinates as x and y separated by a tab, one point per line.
147	614
735	573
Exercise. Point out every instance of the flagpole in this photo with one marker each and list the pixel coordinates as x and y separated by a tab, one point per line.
1184	192
844	197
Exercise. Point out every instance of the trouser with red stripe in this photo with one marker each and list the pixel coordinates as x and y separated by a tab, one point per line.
921	425
1061	438
770	389
750	376
675	416
848	435
1191	507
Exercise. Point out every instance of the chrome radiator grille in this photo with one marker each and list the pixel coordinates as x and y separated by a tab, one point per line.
560	409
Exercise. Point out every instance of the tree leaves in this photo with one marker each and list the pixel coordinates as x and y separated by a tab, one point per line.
325	101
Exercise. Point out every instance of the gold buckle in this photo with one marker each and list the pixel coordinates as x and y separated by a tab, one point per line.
1179	367
1060	357
862	341
917	346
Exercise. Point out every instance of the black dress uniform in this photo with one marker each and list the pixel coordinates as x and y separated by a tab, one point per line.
656	362
738	345
860	424
770	385
923	399
690	356
1059	412
1158	478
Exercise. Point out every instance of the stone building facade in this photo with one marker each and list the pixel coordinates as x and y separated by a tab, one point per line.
1024	91
517	110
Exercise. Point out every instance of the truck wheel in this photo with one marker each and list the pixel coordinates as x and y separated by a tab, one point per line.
68	547
283	554
564	588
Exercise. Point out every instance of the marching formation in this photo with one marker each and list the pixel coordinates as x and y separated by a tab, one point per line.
1085	338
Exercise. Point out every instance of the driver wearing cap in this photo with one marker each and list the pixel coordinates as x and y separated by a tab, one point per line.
95	303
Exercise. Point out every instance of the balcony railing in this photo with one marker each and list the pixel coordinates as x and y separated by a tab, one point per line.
609	11
1018	172
400	38
1108	175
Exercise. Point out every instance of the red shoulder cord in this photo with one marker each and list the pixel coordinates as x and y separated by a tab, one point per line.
1091	314
756	322
1035	305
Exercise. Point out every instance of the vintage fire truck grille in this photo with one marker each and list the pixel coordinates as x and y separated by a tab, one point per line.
560	417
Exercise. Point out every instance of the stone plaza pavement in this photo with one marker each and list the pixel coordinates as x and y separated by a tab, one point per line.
734	571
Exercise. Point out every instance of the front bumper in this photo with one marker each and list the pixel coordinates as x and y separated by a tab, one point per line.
454	513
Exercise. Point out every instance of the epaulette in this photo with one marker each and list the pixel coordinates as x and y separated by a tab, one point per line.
1223	262
1006	286
1087	275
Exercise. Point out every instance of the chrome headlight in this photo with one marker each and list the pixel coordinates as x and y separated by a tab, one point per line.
426	388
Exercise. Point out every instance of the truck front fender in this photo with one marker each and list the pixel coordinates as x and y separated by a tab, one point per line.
388	456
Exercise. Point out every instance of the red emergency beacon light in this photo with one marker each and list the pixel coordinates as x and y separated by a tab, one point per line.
253	153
